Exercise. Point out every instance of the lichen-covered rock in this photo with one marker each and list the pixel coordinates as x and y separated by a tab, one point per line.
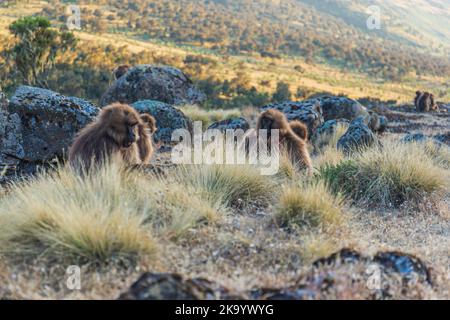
167	118
149	82
439	140
321	135
341	107
233	124
10	139
406	265
358	136
308	112
49	121
443	138
171	286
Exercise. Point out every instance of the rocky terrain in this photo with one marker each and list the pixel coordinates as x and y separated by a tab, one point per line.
243	253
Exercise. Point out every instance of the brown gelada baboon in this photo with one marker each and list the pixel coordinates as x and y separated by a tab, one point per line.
119	134
299	129
120	71
291	142
424	102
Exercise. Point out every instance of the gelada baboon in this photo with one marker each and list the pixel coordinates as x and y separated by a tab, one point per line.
146	130
293	144
424	102
299	129
416	99
120	71
119	134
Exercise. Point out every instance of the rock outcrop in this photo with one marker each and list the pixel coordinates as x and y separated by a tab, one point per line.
167	118
384	275
341	108
48	122
358	136
10	139
439	140
149	82
233	124
171	286
308	112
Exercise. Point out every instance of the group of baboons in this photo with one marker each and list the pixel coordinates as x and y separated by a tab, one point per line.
424	102
122	134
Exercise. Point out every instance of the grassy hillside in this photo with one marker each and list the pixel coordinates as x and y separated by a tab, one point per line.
263	73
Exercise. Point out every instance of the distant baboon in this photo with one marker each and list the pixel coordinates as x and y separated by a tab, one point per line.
416	99
424	103
145	143
290	142
299	129
433	104
114	135
120	71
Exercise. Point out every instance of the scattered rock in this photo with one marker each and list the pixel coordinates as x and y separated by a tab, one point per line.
308	112
167	118
357	136
233	123
49	121
11	149
346	273
443	138
406	265
171	286
150	82
439	140
326	130
341	107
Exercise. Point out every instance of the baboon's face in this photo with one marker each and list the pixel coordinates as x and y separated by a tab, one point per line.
124	126
272	119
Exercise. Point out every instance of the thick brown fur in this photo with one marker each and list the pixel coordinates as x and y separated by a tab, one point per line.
417	98
120	71
289	141
299	129
145	143
114	135
424	102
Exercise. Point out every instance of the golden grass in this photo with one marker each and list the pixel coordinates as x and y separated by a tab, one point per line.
226	185
308	205
106	215
207	117
388	176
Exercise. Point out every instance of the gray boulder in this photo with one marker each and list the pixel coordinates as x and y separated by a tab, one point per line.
358	136
167	118
233	123
172	286
439	140
341	107
326	130
10	139
49	121
309	112
149	82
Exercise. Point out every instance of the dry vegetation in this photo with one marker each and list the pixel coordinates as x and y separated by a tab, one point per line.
227	223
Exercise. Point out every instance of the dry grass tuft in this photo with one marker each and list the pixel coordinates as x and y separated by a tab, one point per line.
225	185
108	215
207	117
308	205
388	176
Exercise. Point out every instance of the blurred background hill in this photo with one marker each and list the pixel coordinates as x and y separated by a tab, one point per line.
240	51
